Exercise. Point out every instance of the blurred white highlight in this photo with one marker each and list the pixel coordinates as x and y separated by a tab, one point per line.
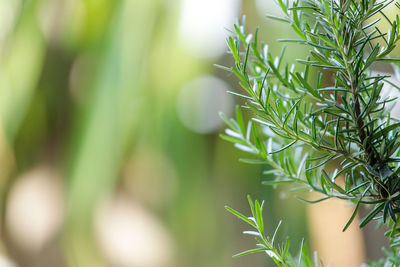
203	25
8	10
129	235
35	209
5	262
389	91
200	101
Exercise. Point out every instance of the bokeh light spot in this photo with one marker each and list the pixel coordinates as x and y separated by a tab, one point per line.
203	25
129	235
35	209
200	101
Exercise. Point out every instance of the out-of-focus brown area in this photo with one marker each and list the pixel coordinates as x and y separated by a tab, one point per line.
336	248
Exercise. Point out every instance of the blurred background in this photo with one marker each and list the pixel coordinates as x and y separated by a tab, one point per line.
109	147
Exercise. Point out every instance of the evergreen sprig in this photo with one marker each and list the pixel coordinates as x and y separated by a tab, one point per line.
330	113
278	253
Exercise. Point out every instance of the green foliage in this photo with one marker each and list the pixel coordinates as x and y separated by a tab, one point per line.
278	253
299	125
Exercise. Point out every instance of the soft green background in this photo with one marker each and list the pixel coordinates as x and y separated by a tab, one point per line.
89	89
